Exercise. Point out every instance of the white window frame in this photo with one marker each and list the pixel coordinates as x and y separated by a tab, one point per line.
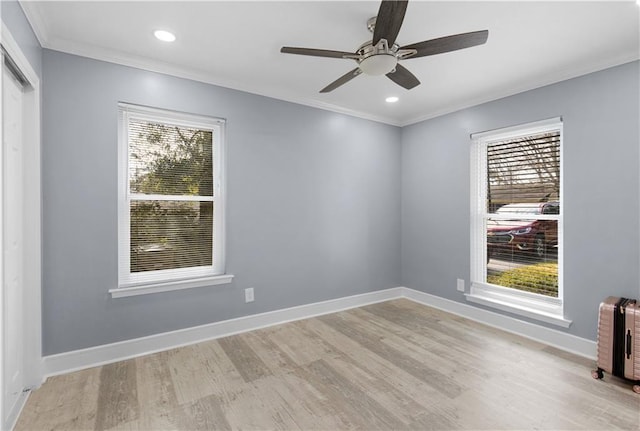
531	305
129	283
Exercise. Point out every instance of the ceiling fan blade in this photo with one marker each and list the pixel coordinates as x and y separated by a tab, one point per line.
317	52
403	77
448	43
342	80
389	21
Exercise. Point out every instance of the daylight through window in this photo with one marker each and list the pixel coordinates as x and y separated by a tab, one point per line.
517	224
171	206
523	184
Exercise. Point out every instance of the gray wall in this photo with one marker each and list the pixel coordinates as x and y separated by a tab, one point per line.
323	205
601	191
16	22
313	204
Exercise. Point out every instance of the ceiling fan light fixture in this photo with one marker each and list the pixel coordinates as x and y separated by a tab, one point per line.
164	35
379	64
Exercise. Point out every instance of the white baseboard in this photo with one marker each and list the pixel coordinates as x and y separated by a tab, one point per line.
108	353
14	414
561	340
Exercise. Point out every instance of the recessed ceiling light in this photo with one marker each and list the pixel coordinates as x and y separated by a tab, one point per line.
391	99
165	36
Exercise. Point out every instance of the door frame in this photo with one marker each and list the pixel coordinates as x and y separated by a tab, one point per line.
32	235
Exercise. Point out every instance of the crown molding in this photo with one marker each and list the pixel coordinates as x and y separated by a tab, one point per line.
549	79
112	56
37	21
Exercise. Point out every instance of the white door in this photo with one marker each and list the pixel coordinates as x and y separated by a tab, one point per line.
12	240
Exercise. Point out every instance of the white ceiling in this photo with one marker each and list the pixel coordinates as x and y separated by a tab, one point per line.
236	44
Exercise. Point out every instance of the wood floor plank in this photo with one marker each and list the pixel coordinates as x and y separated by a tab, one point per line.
380	390
185	368
270	352
201	370
248	364
65	402
448	358
470	359
205	414
313	409
289	340
371	363
117	395
254	407
346	397
422	371
432	422
156	394
394	365
402	313
126	426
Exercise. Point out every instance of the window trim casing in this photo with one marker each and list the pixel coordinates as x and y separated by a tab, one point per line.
527	304
180	278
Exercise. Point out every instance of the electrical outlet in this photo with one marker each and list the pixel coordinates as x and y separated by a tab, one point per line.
248	295
460	285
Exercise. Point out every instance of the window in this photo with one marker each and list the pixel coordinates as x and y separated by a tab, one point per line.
171	201
516	256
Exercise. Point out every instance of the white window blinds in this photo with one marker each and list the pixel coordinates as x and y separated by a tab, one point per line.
171	196
523	170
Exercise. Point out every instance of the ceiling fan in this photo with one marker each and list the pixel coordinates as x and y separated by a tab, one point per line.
380	56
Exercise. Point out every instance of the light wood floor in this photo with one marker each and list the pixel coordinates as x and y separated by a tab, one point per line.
390	366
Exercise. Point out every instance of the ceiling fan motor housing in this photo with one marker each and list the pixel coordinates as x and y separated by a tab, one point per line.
377	60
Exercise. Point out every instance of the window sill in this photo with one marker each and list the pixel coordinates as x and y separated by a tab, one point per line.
169	286
545	309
